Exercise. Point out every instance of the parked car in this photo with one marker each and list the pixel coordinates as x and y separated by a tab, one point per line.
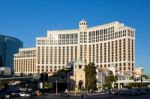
107	92
97	91
87	97
7	96
38	93
64	94
14	94
114	92
25	94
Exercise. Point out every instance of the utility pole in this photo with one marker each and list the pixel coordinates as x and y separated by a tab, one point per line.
56	86
44	84
75	85
68	83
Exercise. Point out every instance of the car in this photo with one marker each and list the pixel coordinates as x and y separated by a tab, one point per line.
121	92
7	96
87	97
38	93
65	94
14	94
24	94
97	91
114	92
32	93
107	92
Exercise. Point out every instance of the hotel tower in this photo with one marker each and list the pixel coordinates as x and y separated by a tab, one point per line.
105	45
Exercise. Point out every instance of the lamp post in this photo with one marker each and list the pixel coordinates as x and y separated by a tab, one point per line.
68	83
26	86
56	86
75	85
44	84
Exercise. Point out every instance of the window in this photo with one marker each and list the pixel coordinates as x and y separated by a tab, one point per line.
80	66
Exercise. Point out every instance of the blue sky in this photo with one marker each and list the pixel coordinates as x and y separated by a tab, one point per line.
28	19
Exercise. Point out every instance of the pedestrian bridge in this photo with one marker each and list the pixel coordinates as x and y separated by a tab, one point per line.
16	78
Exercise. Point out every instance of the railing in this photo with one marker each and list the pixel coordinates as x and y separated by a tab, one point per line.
132	81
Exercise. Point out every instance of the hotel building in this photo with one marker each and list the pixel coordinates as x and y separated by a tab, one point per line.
105	45
25	61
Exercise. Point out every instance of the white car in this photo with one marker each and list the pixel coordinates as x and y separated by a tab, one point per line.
7	96
97	91
24	94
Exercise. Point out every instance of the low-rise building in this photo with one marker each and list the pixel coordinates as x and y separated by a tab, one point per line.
101	76
5	71
78	75
138	72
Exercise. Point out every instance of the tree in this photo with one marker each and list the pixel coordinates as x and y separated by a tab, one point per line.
63	79
144	76
110	79
63	73
48	85
44	77
107	86
90	76
3	85
132	77
108	82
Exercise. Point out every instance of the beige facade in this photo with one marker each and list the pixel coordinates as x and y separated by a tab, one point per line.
138	72
25	61
105	45
78	74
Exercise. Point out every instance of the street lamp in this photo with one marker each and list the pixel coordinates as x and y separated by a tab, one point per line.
68	83
26	86
75	90
56	86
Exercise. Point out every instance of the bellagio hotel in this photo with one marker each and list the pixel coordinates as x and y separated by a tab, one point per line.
105	45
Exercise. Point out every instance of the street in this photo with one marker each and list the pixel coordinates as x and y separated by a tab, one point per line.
52	96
